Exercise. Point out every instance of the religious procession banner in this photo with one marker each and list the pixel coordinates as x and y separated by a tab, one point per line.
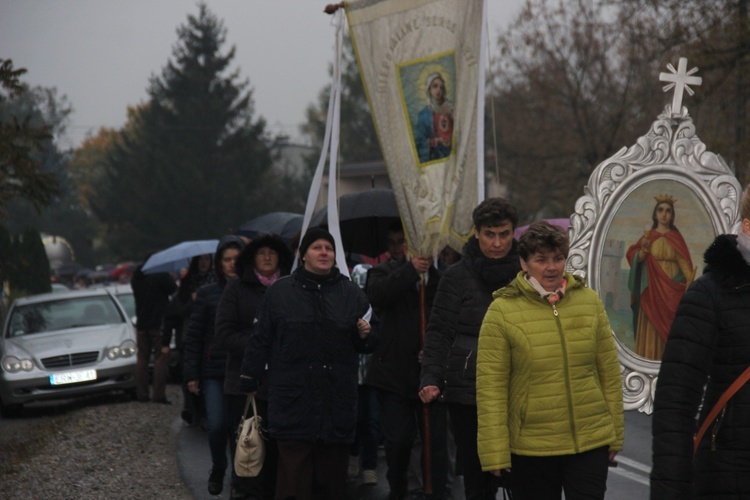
420	64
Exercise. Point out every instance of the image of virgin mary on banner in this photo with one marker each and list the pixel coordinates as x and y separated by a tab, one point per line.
428	88
420	65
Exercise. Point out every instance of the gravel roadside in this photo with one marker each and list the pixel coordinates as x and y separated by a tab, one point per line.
108	448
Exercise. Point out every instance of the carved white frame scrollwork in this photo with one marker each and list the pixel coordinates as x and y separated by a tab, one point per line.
671	150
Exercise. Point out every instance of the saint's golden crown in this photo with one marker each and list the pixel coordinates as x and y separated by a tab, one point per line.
665	198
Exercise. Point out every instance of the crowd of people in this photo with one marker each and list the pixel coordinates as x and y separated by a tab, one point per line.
499	366
339	366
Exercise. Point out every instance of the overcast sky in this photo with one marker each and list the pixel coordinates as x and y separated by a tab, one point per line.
101	53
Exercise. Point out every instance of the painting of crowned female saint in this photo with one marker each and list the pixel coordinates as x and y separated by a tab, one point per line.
428	91
660	271
648	262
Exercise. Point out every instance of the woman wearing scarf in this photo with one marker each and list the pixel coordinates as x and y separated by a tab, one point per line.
259	265
203	370
549	391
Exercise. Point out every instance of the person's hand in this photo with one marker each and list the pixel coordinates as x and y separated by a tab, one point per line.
194	387
420	355
421	263
165	349
645	243
429	393
363	328
612	462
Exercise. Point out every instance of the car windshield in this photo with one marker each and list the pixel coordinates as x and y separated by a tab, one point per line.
63	314
128	302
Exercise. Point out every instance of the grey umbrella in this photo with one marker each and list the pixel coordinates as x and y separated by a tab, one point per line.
177	257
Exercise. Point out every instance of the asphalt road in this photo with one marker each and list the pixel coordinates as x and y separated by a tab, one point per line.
627	481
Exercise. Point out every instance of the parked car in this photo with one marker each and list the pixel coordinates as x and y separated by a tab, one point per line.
59	287
124	293
66	344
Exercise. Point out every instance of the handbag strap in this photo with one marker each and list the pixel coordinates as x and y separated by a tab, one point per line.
723	400
255	409
250	401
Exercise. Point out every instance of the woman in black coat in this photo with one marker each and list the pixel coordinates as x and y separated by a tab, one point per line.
258	266
708	345
201	272
204	360
311	327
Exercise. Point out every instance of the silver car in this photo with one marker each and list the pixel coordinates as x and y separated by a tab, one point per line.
60	345
124	293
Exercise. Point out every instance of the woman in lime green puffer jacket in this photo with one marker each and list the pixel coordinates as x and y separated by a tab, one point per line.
549	390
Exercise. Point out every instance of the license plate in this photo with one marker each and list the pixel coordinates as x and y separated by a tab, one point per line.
72	377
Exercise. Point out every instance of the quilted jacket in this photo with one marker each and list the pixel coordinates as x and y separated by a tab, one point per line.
709	345
548	378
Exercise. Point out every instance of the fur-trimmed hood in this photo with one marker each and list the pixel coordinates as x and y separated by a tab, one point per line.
246	260
724	259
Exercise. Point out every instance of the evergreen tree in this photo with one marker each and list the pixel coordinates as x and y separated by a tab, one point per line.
187	164
32	274
63	213
6	256
21	175
25	263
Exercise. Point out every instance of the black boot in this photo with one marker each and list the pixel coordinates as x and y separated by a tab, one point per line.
216	481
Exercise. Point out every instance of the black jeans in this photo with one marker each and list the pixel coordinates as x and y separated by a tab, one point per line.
400	419
583	476
478	485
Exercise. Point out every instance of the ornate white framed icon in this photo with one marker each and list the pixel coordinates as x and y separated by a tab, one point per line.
639	232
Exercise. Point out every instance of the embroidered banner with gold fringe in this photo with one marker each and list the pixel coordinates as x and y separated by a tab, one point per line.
420	62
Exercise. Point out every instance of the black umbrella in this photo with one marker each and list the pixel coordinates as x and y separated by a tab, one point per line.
283	224
364	218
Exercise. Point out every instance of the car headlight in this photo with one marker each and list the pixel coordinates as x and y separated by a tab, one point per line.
124	350
12	364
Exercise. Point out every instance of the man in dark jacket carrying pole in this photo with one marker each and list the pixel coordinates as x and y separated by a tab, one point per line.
490	261
393	290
